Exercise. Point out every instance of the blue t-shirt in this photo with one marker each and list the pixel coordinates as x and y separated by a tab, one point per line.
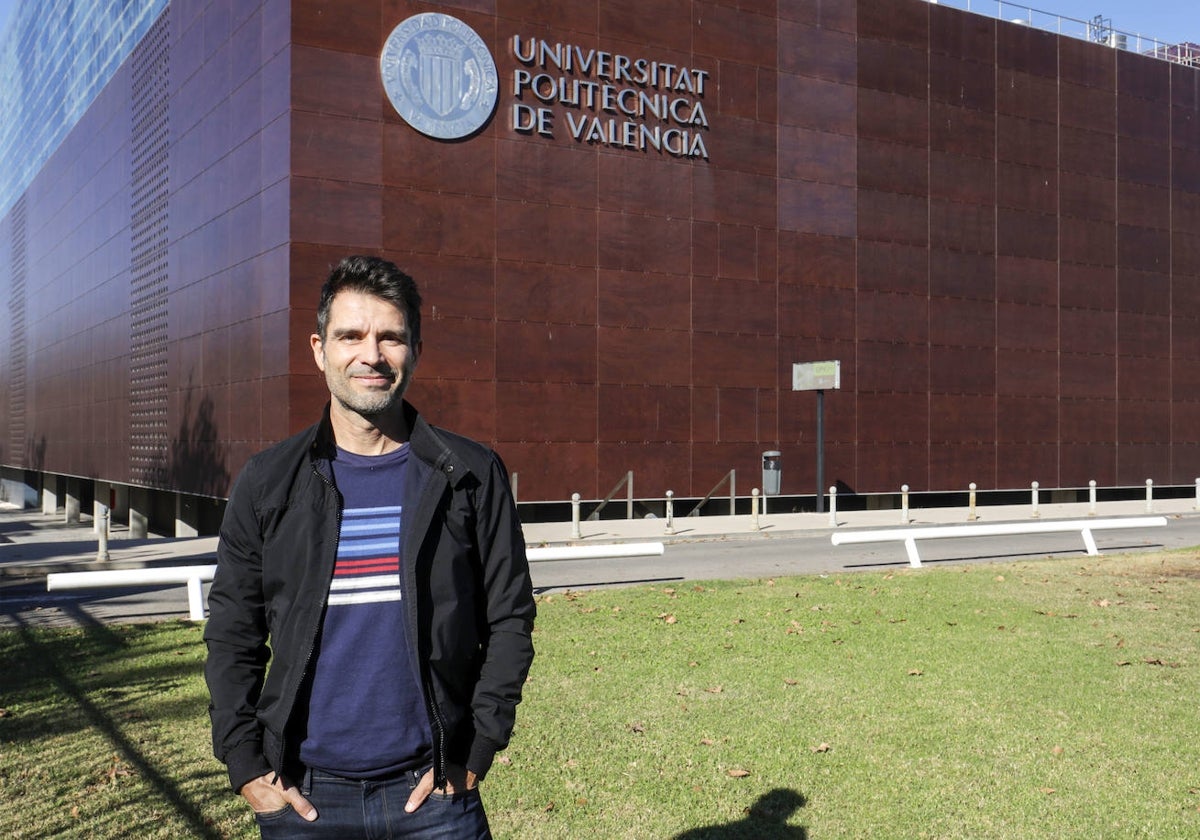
366	716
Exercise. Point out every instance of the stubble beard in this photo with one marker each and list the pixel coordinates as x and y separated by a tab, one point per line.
369	405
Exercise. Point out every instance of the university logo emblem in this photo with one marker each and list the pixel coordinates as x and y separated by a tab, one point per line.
439	76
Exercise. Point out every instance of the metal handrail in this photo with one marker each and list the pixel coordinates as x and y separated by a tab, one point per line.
731	477
627	482
1097	30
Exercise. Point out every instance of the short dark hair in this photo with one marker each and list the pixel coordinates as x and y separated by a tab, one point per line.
372	276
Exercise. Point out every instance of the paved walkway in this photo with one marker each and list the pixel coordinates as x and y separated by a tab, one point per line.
33	544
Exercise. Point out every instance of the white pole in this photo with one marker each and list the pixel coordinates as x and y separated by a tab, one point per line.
754	507
904	503
833	506
670	512
1092	495
195	599
971	515
1149	495
575	532
1034	497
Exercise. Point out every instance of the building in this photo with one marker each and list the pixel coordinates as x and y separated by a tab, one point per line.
993	228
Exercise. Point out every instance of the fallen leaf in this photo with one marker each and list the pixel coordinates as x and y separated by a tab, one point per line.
505	760
999	578
549	807
1123	663
1103	602
707	742
916	672
638	728
716	689
75	812
668	618
822	748
1047	790
790	681
738	773
581	800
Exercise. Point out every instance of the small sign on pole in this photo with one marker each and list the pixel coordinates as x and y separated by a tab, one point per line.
819	377
816	376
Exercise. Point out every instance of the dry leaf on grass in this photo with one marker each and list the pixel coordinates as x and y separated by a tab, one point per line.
737	773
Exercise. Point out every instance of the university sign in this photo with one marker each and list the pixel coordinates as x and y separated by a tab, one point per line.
441	78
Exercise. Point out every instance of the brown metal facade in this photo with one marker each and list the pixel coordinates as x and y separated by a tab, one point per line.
994	228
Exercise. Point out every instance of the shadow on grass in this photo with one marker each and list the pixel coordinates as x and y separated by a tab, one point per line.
48	662
766	819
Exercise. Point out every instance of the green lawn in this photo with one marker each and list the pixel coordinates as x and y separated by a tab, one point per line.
1045	699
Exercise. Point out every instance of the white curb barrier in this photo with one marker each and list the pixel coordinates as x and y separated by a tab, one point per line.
909	536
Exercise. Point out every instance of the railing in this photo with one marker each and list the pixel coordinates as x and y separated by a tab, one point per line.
1098	30
730	477
627	483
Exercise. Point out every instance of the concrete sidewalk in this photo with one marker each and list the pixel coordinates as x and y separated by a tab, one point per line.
33	544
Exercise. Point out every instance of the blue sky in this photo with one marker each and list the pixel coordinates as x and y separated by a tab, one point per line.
1172	21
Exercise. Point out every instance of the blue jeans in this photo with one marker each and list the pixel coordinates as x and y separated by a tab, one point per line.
365	809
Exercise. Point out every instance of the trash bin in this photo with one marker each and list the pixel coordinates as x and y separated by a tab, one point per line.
772	472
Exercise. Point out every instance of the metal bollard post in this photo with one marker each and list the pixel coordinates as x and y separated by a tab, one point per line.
1149	495
754	507
1034	497
1092	495
575	532
833	506
904	504
971	515
102	546
670	512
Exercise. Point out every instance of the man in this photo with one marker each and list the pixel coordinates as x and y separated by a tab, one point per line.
384	561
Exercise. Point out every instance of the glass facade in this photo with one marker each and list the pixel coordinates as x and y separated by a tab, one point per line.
56	57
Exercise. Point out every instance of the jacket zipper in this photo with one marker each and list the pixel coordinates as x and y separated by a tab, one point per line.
313	634
436	722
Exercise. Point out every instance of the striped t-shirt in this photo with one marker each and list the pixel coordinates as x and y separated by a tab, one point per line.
365	713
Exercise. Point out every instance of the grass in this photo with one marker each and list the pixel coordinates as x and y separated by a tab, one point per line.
1046	699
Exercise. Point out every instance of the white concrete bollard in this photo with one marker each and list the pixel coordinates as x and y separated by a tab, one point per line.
102	534
670	512
1092	496
754	508
1034	498
575	532
833	506
904	504
971	515
1149	495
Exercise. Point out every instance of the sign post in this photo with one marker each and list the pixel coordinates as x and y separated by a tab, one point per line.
819	377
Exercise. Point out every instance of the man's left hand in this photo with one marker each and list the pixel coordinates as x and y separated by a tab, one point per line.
457	778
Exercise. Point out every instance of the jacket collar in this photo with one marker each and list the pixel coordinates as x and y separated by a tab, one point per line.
424	440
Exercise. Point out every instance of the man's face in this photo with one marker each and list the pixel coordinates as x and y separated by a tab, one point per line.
367	354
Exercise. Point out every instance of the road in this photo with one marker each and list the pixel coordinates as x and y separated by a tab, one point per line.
28	604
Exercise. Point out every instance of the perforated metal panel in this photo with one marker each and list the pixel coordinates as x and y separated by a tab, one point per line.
18	339
149	143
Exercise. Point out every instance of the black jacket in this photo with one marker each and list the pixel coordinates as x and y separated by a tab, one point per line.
465	582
